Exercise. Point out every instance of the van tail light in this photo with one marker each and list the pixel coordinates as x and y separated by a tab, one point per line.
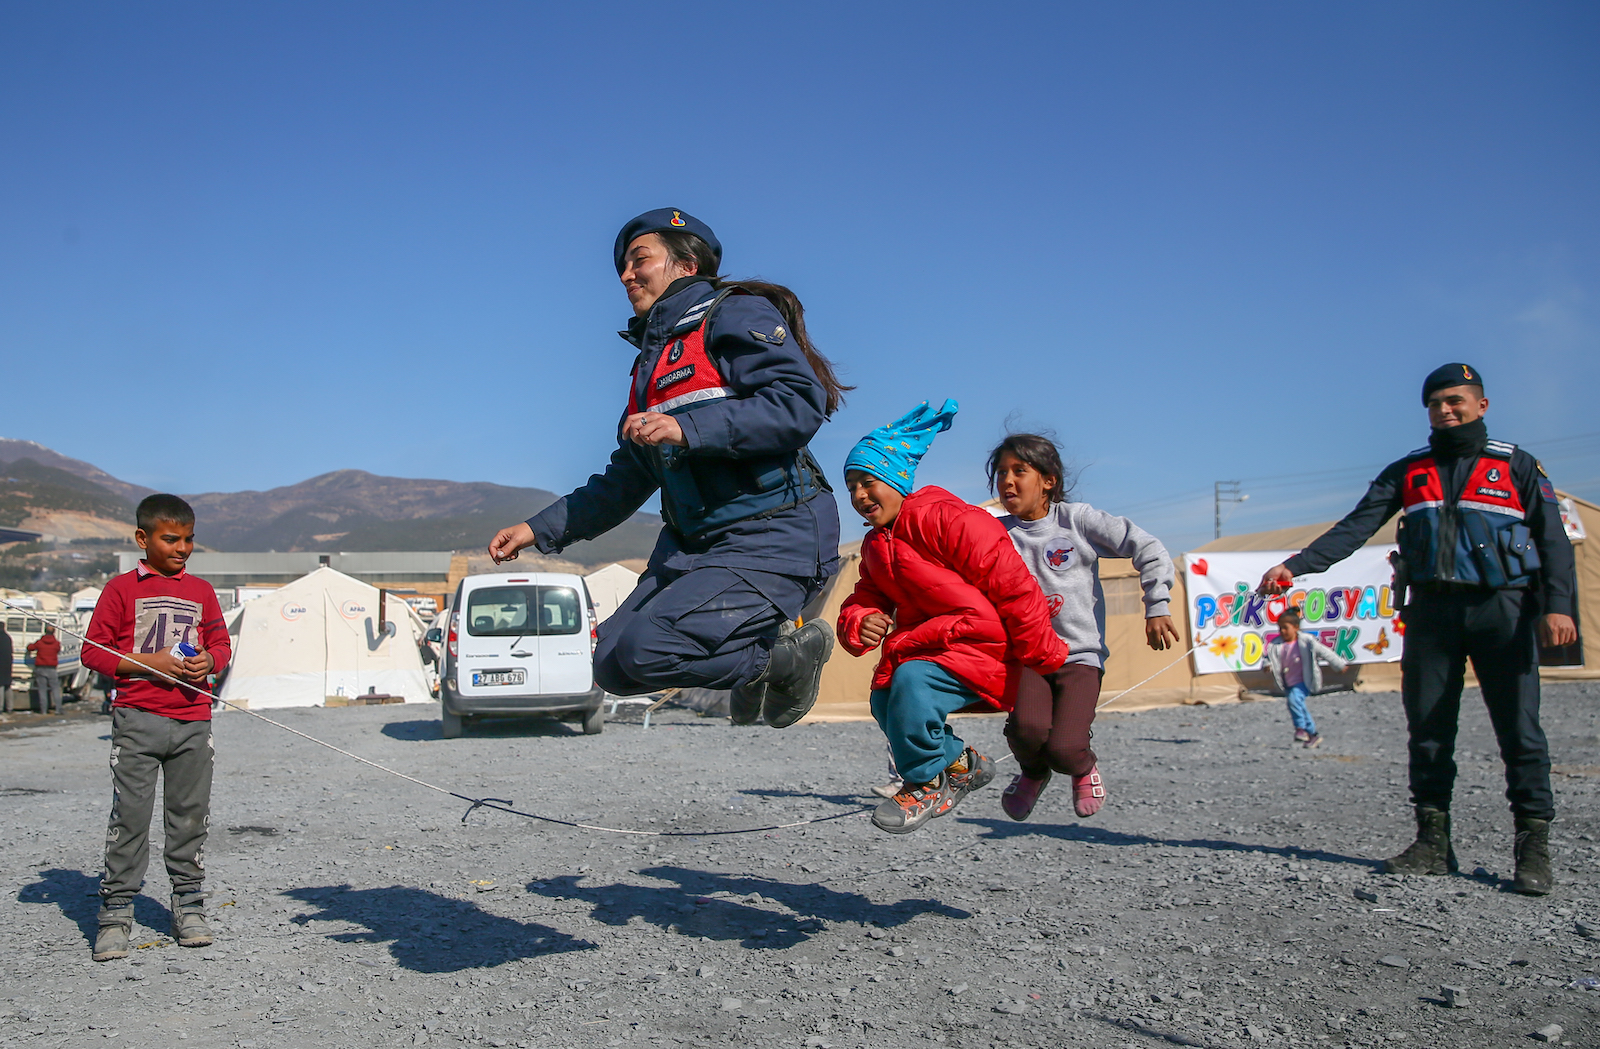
594	636
452	641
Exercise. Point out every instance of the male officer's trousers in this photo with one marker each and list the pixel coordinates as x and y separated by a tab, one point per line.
1495	629
707	627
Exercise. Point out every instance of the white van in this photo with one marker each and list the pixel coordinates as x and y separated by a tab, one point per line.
517	644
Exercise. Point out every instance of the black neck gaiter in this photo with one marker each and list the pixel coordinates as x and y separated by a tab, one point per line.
1458	442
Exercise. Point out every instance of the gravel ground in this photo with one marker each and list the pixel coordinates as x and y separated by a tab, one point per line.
1226	895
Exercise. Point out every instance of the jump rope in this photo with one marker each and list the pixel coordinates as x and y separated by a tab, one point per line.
506	805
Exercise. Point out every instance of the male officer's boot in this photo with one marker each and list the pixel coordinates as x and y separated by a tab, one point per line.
189	926
794	674
111	942
1532	850
1431	852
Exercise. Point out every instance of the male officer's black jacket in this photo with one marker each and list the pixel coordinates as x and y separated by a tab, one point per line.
1557	579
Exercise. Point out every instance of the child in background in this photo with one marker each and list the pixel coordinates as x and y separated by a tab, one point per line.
958	616
1061	543
161	619
1293	658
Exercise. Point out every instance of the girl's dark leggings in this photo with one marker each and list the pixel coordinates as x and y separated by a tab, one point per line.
1049	726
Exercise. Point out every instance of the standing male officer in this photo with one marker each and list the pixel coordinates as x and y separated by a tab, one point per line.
1484	552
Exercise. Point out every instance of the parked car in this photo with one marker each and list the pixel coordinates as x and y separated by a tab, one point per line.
518	644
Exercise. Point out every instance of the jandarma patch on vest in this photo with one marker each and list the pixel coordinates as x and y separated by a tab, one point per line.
676	375
775	339
1498	493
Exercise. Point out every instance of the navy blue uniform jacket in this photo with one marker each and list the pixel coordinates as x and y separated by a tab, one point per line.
775	407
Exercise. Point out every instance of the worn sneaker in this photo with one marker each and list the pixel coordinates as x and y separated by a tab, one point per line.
189	926
909	809
1088	793
1313	741
111	942
1301	735
970	771
1019	799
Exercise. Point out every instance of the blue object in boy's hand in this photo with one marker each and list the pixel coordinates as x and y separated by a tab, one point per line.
184	650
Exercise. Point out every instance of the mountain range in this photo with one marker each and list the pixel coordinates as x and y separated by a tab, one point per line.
346	510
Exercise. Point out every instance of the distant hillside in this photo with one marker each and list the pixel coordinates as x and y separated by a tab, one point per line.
355	510
11	450
345	510
31	489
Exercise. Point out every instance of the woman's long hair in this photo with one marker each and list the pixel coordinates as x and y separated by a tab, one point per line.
686	249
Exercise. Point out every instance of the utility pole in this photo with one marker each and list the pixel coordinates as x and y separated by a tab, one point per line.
1224	492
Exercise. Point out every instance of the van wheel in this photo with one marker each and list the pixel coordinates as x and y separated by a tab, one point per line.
594	721
451	726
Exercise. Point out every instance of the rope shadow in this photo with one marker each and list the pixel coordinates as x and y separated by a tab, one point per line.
1004	829
688	909
429	933
507	726
77	896
847	800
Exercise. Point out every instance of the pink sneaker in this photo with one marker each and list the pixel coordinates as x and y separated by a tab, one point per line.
1088	793
1022	795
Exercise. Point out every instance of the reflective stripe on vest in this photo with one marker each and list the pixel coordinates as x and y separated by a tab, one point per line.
684	374
1489	489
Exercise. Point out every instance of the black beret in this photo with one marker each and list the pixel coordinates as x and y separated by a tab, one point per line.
666	220
1448	375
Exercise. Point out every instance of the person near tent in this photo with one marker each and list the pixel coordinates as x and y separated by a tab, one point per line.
727	390
153	624
953	606
1061	542
1295	658
46	653
1490	575
7	654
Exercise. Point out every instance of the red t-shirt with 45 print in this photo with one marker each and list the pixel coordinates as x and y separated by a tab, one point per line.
143	611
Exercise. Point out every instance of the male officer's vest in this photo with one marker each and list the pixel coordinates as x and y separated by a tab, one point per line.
700	494
1476	537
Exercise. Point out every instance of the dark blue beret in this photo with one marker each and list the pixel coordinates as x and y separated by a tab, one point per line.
665	220
1448	375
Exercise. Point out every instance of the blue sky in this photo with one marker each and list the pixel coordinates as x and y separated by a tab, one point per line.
241	245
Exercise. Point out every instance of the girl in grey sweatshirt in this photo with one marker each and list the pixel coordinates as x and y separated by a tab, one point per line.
1061	543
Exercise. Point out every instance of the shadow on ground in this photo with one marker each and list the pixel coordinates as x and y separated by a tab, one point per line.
687	905
429	933
494	728
77	895
1100	836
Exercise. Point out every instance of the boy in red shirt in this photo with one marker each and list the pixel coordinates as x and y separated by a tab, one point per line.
158	619
957	612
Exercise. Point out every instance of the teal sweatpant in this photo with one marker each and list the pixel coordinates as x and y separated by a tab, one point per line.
912	713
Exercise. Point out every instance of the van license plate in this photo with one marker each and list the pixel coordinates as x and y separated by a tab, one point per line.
487	678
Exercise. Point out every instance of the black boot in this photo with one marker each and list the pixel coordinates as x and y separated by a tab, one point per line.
1532	850
794	674
744	703
1431	852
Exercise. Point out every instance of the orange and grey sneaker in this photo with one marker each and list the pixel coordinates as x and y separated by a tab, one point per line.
911	807
969	772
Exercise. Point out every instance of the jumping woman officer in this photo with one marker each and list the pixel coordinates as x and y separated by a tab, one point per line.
727	390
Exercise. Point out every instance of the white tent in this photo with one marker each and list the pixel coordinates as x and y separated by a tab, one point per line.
609	587
319	637
84	600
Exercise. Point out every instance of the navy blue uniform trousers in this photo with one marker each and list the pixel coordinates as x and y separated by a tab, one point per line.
1493	628
707	627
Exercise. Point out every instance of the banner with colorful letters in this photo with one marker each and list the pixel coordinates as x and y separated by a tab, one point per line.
1350	608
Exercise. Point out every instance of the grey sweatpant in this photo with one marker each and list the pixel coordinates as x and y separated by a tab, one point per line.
143	744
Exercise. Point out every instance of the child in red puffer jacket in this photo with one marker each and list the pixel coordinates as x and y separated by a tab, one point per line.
957	612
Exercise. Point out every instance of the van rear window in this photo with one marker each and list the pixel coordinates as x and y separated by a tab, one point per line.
518	611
